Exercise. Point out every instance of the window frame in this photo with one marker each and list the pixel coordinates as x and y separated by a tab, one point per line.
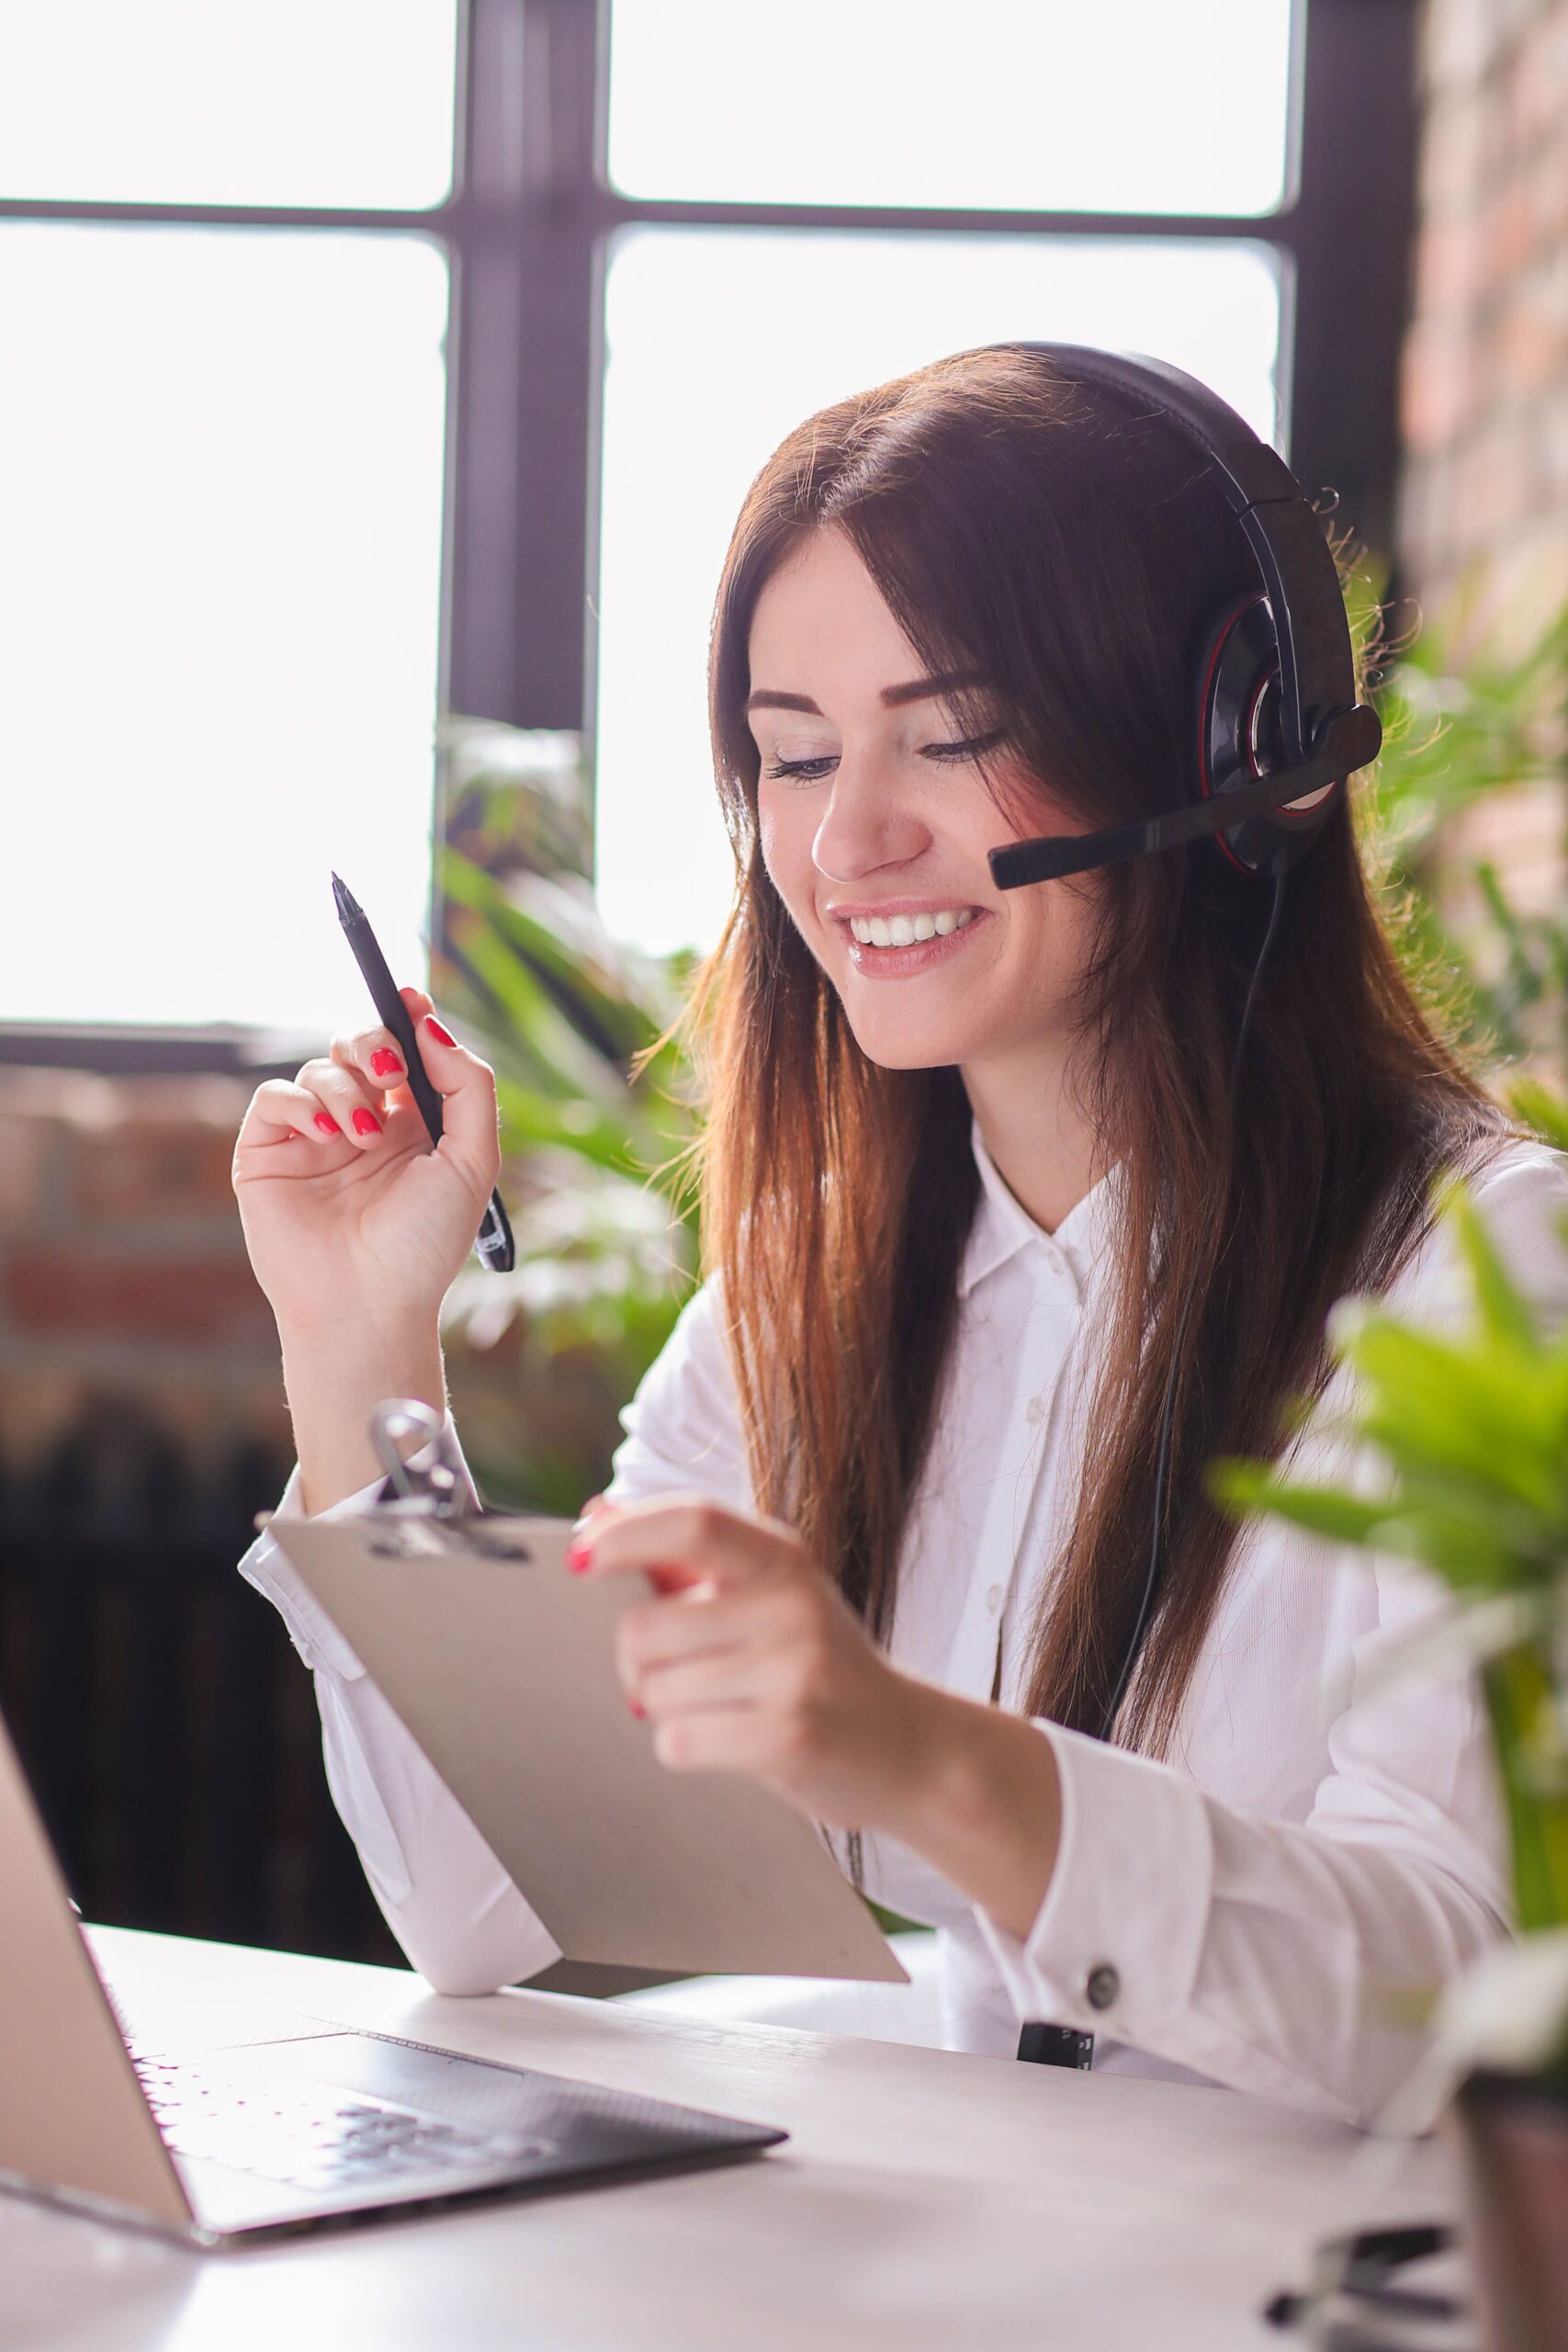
528	226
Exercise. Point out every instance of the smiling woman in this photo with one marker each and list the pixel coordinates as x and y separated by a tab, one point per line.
875	807
997	1259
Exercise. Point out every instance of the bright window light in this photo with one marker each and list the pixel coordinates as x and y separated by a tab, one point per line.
719	342
293	102
1129	106
221	523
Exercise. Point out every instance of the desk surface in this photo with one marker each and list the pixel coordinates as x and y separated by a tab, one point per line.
926	2199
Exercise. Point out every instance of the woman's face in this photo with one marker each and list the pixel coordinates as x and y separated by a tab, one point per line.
875	822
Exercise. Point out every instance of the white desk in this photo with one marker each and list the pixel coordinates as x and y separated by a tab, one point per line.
925	2200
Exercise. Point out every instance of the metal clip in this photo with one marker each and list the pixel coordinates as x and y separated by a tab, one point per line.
437	1490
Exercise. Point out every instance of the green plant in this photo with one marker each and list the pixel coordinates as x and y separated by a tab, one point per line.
1469	1434
1458	727
597	1109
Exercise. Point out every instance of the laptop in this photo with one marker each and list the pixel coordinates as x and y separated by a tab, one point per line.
316	2125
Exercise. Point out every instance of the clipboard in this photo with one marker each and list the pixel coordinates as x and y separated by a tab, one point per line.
500	1664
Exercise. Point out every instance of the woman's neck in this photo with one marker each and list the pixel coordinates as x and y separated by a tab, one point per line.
1042	1145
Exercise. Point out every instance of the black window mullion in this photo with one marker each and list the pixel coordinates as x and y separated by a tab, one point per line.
527	352
1354	227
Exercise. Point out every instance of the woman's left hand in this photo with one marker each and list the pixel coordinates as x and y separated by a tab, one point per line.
751	1661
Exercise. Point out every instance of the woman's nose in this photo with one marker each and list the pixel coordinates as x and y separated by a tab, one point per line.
866	824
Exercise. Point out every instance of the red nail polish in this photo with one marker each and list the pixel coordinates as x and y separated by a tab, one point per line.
365	1122
327	1124
577	1559
442	1036
384	1062
640	1712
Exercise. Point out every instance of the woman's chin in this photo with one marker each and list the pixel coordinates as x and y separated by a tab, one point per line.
896	1048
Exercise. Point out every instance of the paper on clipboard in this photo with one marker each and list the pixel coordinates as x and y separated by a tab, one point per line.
500	1664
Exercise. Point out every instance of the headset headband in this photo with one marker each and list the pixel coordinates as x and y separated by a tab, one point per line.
1316	668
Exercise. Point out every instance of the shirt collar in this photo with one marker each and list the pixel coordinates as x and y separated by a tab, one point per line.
1003	1226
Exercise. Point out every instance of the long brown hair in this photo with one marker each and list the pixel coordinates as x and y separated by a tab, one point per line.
1073	556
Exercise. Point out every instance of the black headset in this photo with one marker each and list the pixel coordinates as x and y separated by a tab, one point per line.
1277	727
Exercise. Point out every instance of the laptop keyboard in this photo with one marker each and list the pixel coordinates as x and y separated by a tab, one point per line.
308	2134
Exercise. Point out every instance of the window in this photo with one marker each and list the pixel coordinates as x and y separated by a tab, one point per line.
299	102
1045	107
221	477
372	355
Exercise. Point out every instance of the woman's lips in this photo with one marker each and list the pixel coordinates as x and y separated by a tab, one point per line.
903	963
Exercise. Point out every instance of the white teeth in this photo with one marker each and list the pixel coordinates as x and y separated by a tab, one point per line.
906	930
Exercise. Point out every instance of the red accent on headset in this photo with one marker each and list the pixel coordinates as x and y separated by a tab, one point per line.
1219	644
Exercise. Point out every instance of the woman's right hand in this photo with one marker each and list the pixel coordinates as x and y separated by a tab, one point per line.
351	1218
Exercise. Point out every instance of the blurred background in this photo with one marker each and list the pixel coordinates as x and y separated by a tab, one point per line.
382	378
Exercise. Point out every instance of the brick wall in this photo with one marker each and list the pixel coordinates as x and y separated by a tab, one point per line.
123	1277
1484	504
1484	494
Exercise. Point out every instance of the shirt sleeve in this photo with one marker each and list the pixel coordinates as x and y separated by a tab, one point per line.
682	1428
1297	1960
458	1916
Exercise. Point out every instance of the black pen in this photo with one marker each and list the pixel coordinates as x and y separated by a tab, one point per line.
494	1243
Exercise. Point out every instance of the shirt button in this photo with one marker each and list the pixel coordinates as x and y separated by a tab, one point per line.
1035	1411
994	1599
1101	1986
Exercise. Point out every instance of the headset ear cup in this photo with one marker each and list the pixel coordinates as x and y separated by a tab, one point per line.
1239	737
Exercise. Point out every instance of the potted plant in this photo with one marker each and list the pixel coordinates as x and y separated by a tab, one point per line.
596	1120
1467	1433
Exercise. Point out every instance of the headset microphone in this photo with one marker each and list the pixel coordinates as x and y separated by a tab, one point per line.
1347	742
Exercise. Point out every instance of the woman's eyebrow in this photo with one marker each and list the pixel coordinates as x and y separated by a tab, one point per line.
926	689
891	698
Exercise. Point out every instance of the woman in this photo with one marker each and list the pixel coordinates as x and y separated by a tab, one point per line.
966	1156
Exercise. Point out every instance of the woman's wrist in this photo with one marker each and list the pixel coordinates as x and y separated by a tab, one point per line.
335	1377
980	1800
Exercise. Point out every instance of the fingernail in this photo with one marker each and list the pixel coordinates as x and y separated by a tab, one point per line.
327	1124
365	1122
443	1037
640	1712
578	1558
384	1062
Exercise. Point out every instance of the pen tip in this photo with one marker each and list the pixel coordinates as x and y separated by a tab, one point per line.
347	904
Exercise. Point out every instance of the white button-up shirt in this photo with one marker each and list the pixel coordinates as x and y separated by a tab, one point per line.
1267	1909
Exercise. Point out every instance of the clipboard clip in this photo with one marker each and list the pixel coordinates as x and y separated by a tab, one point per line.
434	1491
435	1494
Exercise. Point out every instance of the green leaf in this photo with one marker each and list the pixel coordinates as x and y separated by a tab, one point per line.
1243	1485
1540	1109
1507	1314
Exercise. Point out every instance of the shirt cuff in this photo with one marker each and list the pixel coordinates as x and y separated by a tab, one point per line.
311	1630
1115	1944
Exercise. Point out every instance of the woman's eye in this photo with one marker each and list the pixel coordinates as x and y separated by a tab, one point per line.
803	771
969	749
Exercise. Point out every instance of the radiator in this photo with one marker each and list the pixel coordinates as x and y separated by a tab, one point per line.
168	1728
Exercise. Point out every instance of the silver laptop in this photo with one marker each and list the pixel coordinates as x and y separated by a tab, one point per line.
321	2125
